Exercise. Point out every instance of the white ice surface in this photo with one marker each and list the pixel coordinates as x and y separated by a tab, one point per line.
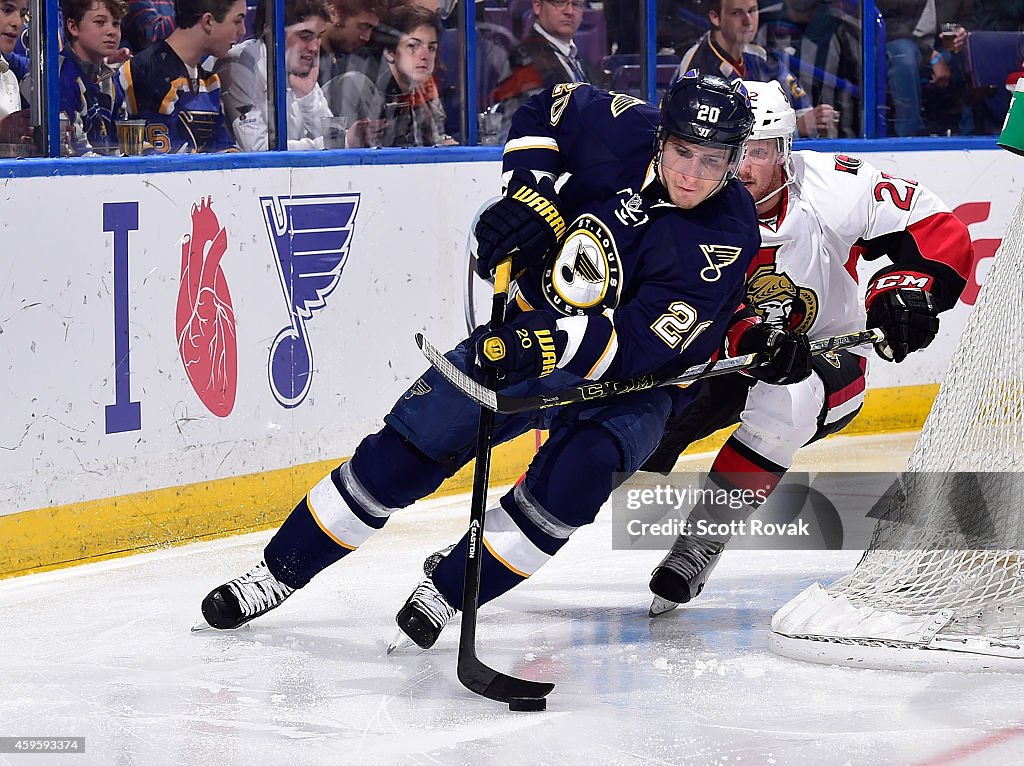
104	651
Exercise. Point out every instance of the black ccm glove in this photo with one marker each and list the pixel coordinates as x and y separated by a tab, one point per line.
526	348
907	315
526	218
787	354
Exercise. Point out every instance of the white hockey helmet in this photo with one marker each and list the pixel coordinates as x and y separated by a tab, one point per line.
774	117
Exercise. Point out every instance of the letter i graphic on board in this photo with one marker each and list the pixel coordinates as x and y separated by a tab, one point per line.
119	218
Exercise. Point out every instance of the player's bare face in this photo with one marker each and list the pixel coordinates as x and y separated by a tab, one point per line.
737	23
691	172
761	170
223	34
415	57
302	45
96	36
13	14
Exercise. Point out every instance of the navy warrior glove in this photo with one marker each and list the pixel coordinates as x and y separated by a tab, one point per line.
900	304
787	354
526	348
525	220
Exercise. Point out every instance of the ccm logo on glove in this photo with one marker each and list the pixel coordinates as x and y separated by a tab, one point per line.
900	304
897	280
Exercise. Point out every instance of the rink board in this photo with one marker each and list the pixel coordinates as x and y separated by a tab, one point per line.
176	342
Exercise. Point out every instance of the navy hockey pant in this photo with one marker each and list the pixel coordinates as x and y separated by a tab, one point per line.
429	434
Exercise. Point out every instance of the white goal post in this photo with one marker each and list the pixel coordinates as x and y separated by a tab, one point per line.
942	582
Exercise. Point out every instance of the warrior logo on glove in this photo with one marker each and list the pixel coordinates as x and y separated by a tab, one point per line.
526	348
494	349
544	208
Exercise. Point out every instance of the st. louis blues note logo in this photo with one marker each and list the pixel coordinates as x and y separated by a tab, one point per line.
311	236
719	256
585	273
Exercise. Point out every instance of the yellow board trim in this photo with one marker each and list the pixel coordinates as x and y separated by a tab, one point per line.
886	410
96	530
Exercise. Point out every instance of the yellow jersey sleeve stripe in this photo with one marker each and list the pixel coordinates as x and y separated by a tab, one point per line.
603	361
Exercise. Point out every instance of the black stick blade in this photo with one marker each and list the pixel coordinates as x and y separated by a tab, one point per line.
489	683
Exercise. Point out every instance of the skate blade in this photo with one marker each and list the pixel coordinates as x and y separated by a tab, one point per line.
661	606
400	641
201	626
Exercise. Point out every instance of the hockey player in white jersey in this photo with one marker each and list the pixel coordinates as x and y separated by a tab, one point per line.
819	214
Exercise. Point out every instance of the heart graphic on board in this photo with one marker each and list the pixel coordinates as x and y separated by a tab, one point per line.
205	319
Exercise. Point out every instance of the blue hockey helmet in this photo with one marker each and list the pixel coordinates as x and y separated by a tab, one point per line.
707	109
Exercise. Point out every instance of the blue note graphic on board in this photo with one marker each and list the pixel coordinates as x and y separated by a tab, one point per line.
311	236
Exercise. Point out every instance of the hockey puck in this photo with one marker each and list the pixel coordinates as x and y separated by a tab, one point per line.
527	704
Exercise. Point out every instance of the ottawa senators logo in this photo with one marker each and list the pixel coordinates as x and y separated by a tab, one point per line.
777	298
585	273
845	164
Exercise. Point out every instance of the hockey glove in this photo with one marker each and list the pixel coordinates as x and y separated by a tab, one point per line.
526	348
907	315
525	220
787	354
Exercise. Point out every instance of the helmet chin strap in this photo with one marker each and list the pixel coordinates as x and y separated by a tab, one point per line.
788	182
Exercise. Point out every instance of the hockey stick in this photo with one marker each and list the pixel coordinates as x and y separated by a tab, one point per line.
489	399
518	693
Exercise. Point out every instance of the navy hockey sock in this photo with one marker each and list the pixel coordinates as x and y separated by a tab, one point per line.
347	506
534	520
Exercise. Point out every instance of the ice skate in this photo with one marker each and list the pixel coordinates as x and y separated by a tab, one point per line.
236	602
430	562
401	640
681	575
425	614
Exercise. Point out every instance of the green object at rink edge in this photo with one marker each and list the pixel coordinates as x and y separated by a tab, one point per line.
1012	137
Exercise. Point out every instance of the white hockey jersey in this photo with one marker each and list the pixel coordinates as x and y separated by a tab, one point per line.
805	275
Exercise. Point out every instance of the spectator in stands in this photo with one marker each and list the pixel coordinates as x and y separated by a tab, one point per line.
681	24
346	44
820	43
946	108
727	50
243	80
15	124
1000	15
401	106
546	56
909	35
147	23
167	85
90	91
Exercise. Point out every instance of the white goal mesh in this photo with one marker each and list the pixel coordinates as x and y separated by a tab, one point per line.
942	582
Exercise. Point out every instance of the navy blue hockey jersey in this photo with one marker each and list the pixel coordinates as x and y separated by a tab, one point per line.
638	284
93	99
183	113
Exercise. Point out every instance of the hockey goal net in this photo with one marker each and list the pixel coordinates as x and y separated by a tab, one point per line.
942	582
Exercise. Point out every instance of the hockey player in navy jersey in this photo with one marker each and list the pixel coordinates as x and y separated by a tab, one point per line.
819	214
638	264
